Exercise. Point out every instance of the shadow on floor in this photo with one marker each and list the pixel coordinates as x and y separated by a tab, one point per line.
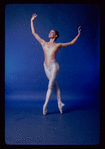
80	105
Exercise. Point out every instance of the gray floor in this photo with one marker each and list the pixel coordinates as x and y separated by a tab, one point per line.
26	125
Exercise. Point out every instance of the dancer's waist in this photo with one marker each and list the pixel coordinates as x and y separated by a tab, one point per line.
49	64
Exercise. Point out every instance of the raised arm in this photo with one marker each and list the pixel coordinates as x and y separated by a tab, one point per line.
73	41
41	41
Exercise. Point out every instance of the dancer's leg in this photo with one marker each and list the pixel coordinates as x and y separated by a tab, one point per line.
49	93
58	94
52	79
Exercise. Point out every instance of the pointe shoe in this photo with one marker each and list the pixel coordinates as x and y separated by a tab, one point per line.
60	106
44	110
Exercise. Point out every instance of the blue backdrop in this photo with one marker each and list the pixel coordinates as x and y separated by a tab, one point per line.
79	74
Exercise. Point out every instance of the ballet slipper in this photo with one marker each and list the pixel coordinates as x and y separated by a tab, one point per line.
44	110
60	106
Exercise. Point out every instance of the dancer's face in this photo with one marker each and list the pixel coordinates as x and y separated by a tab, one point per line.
52	34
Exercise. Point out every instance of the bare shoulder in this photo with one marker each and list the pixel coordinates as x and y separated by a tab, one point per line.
43	42
58	44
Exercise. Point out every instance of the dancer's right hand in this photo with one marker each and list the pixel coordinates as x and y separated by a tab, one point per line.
33	17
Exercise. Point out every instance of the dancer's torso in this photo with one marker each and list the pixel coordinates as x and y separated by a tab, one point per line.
50	52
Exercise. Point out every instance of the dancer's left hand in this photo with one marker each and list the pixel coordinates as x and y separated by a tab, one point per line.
79	30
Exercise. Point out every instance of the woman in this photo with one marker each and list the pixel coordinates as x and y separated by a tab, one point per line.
50	65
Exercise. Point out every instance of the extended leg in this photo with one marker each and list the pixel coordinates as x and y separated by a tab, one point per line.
58	94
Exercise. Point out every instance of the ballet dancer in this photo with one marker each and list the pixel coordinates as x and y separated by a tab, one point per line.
51	66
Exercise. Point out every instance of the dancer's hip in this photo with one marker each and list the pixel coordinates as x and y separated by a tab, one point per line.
53	64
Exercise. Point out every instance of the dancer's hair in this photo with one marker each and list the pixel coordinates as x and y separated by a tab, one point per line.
57	33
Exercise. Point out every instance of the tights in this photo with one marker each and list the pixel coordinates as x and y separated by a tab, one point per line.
52	73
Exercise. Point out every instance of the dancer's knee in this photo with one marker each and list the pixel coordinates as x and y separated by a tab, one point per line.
50	86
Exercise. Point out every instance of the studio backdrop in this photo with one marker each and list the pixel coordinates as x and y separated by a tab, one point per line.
79	74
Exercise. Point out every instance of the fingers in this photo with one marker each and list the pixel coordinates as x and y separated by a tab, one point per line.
79	28
34	15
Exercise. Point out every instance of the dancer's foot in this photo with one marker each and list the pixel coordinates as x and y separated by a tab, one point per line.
60	106
44	110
